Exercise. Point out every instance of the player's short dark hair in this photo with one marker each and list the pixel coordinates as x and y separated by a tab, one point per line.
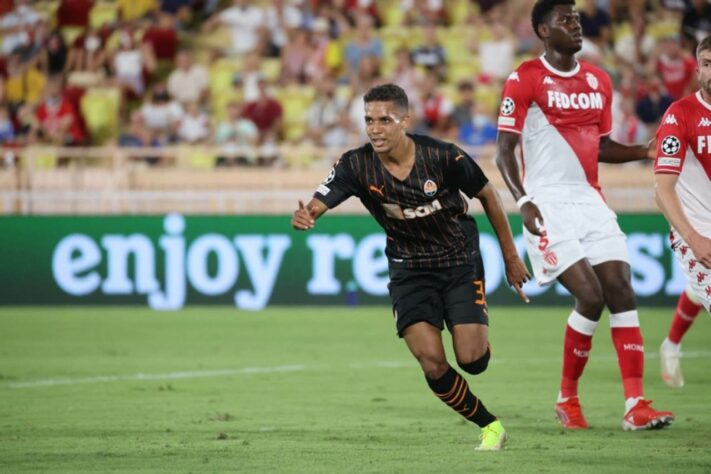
704	45
542	9
388	93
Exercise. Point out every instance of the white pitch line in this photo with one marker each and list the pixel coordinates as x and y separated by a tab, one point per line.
384	364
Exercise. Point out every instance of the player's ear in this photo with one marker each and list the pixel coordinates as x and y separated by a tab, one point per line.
543	30
405	121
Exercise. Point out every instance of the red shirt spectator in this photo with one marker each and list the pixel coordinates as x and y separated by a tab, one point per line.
163	37
676	68
58	120
266	113
74	13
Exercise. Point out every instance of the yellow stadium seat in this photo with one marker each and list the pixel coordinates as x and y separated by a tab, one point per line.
222	74
201	159
103	13
390	12
459	10
43	158
100	109
488	97
295	101
271	68
460	70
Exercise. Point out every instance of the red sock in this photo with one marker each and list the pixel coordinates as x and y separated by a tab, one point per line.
576	351
628	342
684	316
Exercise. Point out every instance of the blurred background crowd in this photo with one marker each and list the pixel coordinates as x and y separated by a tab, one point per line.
249	77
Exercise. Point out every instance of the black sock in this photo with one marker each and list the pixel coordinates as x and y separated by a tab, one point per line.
453	390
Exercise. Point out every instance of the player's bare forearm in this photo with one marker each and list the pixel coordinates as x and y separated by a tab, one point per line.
494	208
612	152
304	218
506	162
669	204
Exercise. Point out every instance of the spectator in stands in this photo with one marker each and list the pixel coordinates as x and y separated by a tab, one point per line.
469	124
162	37
280	18
194	125
496	55
180	10
16	26
57	120
24	83
696	22
326	56
130	63
266	113
596	24
404	72
246	25
675	66
327	116
88	54
189	82
431	108
248	79
294	57
636	47
367	77
162	115
627	128
431	54
53	59
654	102
364	43
74	13
238	138
423	12
7	129
140	136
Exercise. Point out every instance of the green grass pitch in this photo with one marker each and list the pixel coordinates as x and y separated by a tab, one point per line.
314	390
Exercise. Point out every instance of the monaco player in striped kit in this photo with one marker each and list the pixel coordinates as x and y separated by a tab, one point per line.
682	173
560	110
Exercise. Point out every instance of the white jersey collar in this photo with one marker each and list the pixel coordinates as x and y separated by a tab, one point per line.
570	73
701	99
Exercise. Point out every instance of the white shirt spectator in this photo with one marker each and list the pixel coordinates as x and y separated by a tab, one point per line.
245	24
21	16
161	116
188	86
194	127
277	31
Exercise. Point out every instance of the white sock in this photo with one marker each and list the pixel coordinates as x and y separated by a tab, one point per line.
669	346
561	399
631	402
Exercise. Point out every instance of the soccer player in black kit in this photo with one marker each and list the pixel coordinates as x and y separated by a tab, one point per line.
411	185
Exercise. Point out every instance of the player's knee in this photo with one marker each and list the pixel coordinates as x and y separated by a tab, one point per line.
478	366
591	302
619	292
433	367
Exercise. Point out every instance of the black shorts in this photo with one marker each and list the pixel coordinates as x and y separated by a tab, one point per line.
454	295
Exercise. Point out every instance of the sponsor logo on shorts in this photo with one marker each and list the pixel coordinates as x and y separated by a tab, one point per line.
669	161
550	257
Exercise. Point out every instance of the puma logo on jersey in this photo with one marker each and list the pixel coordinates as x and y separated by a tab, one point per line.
581	101
548	81
704	122
670	120
377	190
396	212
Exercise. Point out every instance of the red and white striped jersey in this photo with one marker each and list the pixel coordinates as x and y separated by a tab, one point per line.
560	116
684	148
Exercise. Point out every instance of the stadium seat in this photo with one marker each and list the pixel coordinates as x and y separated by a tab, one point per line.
390	12
199	158
271	68
295	100
100	109
459	10
463	69
103	13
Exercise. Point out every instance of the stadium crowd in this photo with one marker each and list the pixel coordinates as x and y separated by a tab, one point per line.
249	76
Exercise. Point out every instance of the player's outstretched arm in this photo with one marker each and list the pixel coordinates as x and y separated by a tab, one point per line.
304	218
668	202
516	271
506	144
612	152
